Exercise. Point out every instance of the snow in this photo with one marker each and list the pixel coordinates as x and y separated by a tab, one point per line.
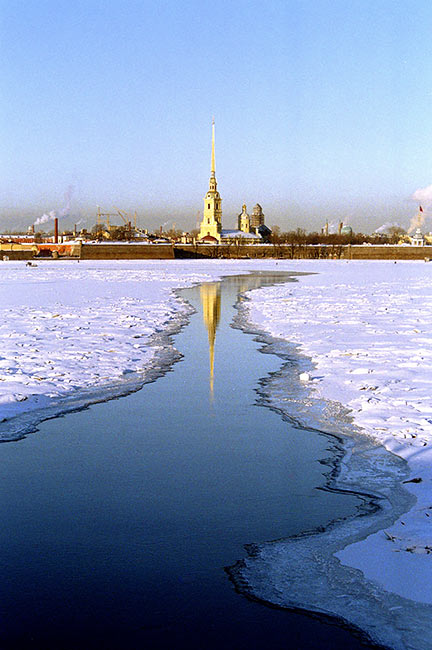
74	333
240	234
367	329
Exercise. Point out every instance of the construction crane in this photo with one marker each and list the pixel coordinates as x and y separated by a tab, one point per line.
121	213
124	215
126	218
106	215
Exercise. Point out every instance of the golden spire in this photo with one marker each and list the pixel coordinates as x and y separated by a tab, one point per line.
213	167
211	303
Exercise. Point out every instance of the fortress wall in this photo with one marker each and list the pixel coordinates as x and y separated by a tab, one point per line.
166	251
303	251
15	251
387	252
126	252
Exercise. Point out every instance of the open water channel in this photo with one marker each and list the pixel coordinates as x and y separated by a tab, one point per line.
117	521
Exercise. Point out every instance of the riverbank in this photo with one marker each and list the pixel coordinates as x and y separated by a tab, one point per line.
369	341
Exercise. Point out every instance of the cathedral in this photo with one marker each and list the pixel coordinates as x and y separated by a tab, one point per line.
249	227
211	225
251	223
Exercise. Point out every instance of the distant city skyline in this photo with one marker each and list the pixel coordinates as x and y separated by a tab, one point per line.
322	110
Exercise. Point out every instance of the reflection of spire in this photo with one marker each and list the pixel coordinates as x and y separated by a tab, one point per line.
211	303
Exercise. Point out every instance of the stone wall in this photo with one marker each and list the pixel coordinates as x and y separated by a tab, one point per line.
126	252
387	252
303	251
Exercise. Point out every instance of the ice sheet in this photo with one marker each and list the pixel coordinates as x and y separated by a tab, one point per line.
365	329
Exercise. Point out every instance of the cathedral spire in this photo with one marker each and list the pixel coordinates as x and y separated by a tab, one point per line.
211	224
213	167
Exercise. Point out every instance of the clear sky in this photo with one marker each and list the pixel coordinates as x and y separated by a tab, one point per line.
322	108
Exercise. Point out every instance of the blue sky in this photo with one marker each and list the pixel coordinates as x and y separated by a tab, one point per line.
322	108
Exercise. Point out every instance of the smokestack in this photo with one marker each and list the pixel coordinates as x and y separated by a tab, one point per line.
32	229
340	227
56	231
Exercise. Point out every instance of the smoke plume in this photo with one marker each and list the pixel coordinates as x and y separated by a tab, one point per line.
423	196
333	227
417	221
386	228
64	212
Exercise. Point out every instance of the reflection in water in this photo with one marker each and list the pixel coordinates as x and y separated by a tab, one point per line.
211	304
156	501
242	283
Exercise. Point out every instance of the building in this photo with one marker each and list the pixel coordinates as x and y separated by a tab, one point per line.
251	223
253	226
249	228
243	220
417	239
211	224
256	218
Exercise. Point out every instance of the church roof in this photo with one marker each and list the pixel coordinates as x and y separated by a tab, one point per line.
233	234
264	230
208	239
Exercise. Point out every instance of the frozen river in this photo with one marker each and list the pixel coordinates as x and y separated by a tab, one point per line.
118	521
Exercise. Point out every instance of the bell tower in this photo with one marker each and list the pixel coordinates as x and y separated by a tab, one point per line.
212	219
244	220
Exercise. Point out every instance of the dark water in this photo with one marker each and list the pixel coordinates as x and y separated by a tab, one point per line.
117	522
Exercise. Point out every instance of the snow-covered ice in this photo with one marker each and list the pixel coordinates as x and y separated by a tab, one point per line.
367	329
74	333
